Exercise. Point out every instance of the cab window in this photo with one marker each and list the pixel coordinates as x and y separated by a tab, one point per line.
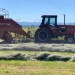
46	21
52	22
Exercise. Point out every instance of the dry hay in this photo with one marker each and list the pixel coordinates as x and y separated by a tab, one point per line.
39	47
41	57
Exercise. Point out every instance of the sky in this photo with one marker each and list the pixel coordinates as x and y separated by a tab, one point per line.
31	10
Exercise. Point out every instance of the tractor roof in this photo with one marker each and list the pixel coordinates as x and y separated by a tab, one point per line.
49	16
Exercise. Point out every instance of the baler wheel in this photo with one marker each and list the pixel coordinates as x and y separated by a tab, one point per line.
6	40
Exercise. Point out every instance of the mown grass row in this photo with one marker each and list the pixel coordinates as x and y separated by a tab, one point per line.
40	57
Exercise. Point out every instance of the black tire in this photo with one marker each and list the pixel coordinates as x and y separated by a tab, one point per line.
69	39
6	39
42	35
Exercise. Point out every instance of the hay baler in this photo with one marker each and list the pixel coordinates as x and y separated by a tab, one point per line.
8	25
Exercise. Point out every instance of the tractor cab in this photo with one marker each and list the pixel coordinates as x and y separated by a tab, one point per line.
49	20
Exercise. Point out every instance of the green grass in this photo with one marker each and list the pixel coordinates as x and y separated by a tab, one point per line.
26	28
36	68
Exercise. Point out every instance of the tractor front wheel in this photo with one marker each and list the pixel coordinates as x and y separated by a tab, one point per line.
69	39
42	35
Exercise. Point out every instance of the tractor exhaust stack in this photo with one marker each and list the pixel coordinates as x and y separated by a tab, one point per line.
64	19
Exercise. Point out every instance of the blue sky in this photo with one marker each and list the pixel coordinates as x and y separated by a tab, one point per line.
30	10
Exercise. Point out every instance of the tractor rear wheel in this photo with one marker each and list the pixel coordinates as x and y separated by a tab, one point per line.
42	35
69	39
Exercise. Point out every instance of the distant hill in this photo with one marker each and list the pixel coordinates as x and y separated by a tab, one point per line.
29	23
38	23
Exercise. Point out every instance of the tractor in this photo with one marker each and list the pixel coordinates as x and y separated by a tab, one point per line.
49	29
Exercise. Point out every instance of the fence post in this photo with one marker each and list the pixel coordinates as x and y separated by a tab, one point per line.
32	27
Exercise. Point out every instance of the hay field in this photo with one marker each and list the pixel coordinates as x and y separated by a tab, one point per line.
15	66
37	59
